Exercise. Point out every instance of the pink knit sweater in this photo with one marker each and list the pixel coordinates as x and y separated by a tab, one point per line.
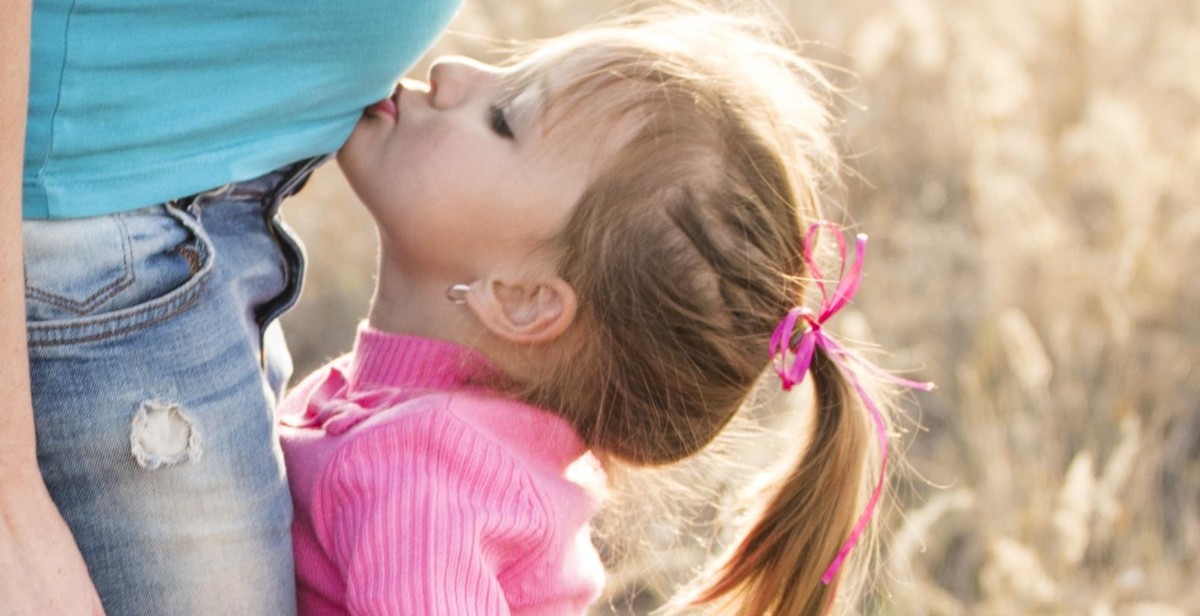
418	493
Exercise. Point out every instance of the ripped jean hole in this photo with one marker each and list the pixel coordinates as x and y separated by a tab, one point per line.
162	435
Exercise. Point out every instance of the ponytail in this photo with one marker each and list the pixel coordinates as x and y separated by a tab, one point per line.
791	558
777	567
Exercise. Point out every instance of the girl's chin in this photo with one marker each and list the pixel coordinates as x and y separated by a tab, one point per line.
341	154
359	141
352	160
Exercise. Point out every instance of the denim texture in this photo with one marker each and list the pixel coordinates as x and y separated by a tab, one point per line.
156	366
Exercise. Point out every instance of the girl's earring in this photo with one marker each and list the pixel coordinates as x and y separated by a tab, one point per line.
458	293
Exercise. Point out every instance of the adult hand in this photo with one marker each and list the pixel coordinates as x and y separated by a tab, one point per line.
41	571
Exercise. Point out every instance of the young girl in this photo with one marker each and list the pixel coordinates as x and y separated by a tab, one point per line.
590	250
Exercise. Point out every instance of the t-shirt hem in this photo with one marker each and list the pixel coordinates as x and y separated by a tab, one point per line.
113	194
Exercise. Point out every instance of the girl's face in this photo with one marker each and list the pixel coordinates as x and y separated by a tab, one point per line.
462	173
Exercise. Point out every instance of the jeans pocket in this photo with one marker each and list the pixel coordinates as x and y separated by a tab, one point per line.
91	278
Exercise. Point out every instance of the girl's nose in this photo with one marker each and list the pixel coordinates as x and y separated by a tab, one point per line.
455	79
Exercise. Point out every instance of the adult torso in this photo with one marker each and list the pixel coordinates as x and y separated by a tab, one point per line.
134	102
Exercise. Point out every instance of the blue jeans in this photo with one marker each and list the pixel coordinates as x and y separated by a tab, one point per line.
156	367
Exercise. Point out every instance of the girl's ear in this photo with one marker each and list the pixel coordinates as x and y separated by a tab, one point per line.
526	311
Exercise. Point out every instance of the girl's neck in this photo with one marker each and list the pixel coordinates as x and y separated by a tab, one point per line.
424	310
415	303
405	303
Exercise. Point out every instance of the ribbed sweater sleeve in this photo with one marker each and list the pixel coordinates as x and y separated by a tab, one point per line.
426	516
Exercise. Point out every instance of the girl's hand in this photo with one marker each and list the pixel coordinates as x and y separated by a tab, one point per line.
41	570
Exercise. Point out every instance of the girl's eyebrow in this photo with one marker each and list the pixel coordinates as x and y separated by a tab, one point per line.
528	104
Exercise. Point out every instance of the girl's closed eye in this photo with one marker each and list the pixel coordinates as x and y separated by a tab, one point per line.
499	122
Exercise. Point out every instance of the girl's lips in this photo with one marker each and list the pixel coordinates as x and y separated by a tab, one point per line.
387	107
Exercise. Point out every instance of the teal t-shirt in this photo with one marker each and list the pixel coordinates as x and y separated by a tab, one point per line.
136	102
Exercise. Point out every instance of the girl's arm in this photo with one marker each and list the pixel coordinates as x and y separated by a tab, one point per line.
41	570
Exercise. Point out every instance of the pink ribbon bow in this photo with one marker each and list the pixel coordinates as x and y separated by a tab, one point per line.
848	361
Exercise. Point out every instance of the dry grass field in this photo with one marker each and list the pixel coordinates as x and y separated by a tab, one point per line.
1029	171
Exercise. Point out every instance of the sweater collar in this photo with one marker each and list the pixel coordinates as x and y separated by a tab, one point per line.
384	370
402	361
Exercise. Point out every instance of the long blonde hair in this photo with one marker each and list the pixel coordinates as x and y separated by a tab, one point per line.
685	252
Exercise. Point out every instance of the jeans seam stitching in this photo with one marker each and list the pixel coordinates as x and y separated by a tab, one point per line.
101	295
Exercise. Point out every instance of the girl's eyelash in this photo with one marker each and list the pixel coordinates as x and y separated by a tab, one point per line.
499	122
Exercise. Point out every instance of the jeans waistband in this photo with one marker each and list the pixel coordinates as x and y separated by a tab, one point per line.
270	188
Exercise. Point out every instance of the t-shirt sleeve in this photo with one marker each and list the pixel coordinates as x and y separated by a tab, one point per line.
425	516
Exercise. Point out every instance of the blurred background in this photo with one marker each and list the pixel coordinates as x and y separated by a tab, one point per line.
1029	171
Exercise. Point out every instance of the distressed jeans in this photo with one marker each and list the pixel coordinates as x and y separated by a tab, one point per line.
156	367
